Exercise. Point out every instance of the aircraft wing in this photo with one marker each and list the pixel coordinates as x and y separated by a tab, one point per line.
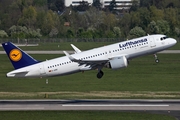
92	63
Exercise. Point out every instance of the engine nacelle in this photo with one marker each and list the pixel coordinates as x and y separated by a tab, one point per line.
117	63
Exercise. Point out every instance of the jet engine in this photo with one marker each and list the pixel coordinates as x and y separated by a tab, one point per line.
117	63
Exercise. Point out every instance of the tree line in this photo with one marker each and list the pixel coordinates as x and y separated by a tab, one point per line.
42	19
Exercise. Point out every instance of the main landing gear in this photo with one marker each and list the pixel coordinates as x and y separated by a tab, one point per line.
156	58
100	74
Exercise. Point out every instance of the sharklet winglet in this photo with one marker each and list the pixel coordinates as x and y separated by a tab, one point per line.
77	50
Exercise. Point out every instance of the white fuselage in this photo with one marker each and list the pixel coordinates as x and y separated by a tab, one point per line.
63	65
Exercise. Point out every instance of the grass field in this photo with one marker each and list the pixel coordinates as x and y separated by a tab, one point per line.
143	78
80	115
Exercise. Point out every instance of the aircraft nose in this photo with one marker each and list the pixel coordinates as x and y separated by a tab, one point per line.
173	41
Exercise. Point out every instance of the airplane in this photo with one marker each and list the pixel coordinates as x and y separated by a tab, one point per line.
114	56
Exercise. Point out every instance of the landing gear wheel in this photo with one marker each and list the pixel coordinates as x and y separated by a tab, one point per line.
100	74
157	60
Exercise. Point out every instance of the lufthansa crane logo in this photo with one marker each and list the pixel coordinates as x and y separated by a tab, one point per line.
15	55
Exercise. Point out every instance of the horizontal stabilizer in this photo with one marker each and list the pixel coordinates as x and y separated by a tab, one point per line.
17	74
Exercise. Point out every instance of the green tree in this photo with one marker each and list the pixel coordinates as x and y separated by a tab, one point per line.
163	26
177	32
86	34
117	32
135	19
156	14
94	18
144	16
48	22
159	27
54	32
153	28
9	14
33	33
22	4
171	15
41	3
69	33
109	21
110	34
16	31
136	32
21	32
3	34
125	24
29	17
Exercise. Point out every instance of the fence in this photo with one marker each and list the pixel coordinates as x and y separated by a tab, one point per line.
57	40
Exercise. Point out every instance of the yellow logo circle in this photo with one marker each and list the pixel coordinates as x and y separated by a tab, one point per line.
15	55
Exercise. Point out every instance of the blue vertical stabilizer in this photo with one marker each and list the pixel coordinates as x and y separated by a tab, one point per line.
18	57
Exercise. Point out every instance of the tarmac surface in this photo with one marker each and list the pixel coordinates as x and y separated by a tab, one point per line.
61	52
169	107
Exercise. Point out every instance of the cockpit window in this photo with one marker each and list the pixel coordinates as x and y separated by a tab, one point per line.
163	38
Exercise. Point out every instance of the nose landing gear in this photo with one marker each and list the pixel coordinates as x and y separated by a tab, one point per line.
156	58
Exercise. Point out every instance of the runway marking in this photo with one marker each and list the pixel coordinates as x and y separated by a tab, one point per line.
115	105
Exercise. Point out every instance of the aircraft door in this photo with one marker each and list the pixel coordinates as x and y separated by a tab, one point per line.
41	68
109	54
152	42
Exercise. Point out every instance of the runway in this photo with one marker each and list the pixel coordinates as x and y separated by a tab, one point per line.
69	51
171	107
